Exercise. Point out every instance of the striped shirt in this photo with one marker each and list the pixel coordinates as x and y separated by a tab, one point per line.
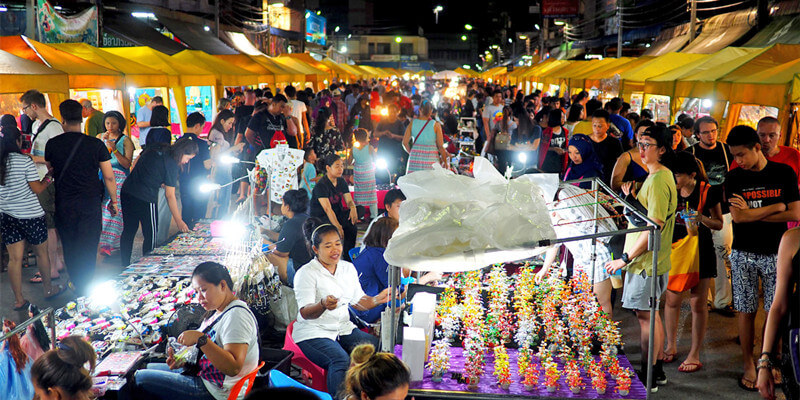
16	197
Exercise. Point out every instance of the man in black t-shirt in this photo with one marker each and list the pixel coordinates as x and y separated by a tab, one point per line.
75	160
607	148
265	124
763	196
193	202
717	158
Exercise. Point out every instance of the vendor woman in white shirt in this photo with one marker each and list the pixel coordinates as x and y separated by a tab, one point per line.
227	343
324	288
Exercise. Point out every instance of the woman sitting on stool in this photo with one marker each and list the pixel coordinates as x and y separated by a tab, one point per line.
324	287
227	343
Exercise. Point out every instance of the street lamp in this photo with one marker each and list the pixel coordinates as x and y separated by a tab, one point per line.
523	37
464	37
336	29
398	39
468	27
436	11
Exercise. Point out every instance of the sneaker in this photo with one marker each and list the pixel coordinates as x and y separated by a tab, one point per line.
660	377
643	378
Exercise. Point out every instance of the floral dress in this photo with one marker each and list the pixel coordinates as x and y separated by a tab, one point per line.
329	142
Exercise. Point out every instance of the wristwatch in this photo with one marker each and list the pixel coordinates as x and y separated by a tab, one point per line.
202	341
625	258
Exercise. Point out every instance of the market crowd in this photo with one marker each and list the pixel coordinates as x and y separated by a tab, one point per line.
79	189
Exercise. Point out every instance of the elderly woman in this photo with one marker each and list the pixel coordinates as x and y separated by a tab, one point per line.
121	148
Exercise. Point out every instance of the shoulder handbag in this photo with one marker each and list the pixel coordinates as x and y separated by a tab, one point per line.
685	257
192	368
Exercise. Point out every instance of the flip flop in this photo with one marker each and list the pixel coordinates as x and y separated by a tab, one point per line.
668	358
56	293
37	278
24	306
690	367
747	384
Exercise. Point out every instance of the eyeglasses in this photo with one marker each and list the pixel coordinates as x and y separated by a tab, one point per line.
644	145
711	132
25	108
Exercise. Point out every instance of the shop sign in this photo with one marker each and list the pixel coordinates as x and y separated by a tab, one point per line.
315	28
559	8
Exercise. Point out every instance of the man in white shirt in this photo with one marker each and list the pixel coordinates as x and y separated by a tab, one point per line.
489	112
143	118
45	127
299	114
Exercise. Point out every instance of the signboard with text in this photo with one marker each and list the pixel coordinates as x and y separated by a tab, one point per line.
559	8
315	28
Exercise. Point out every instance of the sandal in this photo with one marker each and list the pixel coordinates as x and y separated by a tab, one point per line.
37	278
668	358
690	367
747	384
58	290
24	306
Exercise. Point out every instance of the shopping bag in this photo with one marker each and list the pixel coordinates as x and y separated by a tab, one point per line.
685	258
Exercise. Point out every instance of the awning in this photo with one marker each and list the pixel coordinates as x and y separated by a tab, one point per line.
770	87
669	40
265	75
136	75
180	74
312	74
664	84
19	75
306	58
283	74
535	73
594	79
82	74
196	36
226	74
721	31
240	42
578	80
558	75
340	71
633	79
775	56
132	30
375	71
784	29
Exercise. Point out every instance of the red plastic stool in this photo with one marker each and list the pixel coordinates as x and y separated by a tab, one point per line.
319	377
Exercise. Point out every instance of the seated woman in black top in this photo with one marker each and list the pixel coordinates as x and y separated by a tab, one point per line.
326	202
290	252
158	165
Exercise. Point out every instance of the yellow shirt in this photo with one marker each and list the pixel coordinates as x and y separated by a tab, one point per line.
659	196
582	127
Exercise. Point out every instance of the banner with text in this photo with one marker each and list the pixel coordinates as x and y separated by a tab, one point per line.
54	28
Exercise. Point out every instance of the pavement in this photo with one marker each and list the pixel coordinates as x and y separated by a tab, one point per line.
716	380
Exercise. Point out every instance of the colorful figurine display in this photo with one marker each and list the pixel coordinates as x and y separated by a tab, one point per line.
556	325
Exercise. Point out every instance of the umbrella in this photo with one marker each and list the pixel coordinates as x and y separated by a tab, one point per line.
446	75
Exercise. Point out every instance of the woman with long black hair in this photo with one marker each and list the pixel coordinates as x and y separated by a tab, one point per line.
158	165
326	139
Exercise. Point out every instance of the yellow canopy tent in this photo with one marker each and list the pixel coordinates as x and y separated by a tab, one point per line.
427	73
534	74
493	73
596	79
342	73
513	76
778	87
82	74
181	75
770	57
19	75
467	72
577	81
364	74
306	58
226	74
136	75
632	80
283	74
375	71
265	75
317	77
556	75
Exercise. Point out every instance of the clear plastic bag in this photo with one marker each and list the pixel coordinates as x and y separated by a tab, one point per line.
454	223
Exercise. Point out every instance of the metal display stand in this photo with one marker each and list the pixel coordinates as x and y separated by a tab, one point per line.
51	322
652	245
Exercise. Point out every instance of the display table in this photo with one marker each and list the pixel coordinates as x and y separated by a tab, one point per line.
489	389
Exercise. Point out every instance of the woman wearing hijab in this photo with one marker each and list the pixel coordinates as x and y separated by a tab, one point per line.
583	161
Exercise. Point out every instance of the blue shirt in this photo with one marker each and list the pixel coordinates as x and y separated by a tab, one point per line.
623	125
143	114
373	273
309	173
